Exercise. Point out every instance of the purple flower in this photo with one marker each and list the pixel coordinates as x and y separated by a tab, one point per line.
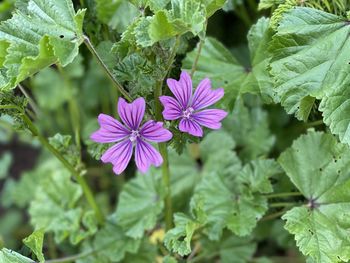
190	108
130	134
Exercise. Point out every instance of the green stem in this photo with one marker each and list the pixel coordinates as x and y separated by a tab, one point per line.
73	108
200	46
163	146
253	5
242	13
314	123
165	166
282	204
273	216
281	195
71	258
105	68
30	100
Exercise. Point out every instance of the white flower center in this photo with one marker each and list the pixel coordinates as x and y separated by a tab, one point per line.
187	113
134	135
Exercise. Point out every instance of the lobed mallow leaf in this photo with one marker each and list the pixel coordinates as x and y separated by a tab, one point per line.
54	207
140	204
319	166
40	33
118	14
310	62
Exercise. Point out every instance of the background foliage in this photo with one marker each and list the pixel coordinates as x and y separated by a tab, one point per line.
271	186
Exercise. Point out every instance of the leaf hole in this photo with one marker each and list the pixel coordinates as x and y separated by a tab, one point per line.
61	36
321	169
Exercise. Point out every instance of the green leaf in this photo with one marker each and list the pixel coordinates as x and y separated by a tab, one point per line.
213	5
183	16
118	14
110	245
319	167
147	253
62	143
250	129
217	63
5	164
154	5
226	206
35	243
53	207
230	249
179	238
256	174
21	192
9	256
335	107
258	80
140	204
47	89
309	51
42	33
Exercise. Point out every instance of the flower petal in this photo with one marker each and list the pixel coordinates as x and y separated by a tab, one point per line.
145	155
153	131
191	126
111	130
132	113
119	155
204	96
181	89
172	108
210	118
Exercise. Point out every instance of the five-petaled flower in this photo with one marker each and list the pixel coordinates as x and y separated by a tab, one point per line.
129	135
189	108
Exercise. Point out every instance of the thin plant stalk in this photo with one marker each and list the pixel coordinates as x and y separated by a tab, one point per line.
73	108
163	146
30	100
283	195
106	69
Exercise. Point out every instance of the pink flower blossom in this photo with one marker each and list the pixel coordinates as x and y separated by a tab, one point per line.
129	134
190	108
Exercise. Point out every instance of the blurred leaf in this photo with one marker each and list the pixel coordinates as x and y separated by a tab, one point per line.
35	243
139	205
9	256
9	98
54	207
227	207
256	174
110	245
48	89
5	164
147	253
169	259
118	14
217	63
319	167
40	34
229	248
62	143
250	129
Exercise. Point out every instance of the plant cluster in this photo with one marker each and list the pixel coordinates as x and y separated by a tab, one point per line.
217	154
